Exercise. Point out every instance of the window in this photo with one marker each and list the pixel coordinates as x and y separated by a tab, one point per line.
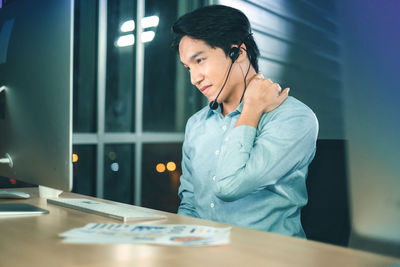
132	99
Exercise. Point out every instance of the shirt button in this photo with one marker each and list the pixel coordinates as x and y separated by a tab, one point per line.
224	127
214	177
226	139
216	152
212	205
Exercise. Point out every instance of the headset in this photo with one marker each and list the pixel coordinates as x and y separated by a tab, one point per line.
234	53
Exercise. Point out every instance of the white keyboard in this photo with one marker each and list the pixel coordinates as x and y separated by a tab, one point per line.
114	211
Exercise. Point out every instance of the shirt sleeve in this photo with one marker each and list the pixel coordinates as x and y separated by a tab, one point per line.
251	160
185	193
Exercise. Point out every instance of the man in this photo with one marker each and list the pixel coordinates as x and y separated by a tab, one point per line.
245	156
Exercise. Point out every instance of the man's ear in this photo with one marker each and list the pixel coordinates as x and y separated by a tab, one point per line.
242	53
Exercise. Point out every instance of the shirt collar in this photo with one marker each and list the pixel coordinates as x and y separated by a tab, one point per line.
219	111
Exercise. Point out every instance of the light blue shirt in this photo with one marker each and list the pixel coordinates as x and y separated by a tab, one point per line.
249	177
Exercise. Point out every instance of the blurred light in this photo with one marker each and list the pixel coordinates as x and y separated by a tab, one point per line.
160	167
115	167
151	21
112	155
148	36
126	40
128	26
171	166
13	181
74	158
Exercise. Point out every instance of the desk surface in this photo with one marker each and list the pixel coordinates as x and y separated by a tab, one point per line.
34	241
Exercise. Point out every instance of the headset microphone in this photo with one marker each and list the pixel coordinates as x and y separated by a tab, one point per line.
214	104
234	53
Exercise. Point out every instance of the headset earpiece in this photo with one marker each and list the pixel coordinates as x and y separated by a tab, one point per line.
234	53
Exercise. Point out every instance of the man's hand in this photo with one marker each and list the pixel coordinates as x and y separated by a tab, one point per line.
261	96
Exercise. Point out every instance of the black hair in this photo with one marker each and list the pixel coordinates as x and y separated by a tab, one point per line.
218	26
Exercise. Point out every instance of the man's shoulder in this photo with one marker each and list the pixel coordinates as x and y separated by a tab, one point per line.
292	116
293	103
195	124
199	116
291	108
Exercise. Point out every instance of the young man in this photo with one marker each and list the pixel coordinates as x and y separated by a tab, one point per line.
245	157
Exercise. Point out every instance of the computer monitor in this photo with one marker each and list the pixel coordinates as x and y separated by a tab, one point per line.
36	42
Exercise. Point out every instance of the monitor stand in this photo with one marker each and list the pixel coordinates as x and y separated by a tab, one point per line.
47	192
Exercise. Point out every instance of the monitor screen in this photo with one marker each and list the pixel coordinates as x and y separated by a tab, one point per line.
36	41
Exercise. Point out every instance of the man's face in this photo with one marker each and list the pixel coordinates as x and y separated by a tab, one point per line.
207	66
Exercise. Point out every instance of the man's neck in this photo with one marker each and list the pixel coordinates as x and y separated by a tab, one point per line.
231	103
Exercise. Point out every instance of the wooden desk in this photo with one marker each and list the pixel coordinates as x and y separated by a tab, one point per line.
34	241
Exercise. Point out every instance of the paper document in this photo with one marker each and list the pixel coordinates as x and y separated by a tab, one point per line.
167	234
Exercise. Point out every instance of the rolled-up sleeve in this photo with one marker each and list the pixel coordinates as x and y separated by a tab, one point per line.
251	159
